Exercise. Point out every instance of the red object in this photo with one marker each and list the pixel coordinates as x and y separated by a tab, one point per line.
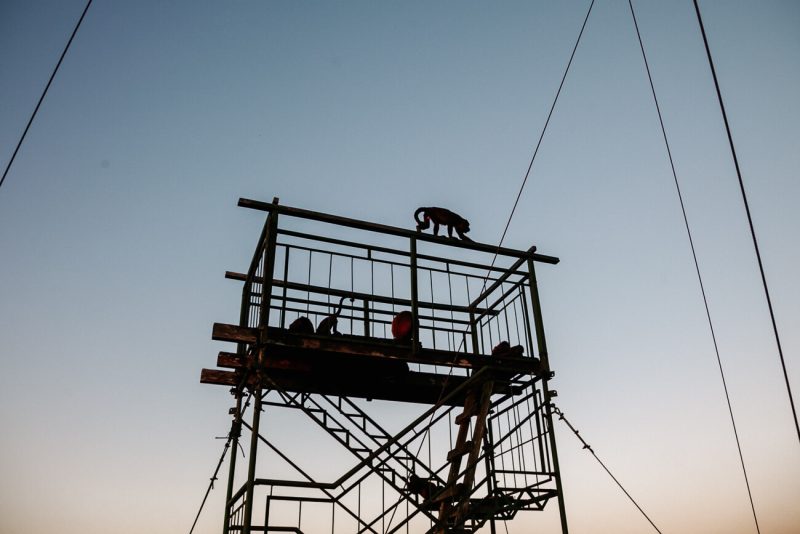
402	326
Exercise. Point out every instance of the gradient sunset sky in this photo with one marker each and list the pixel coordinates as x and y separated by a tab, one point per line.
119	219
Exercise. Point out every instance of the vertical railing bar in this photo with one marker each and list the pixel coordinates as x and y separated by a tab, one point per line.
452	315
352	290
371	285
520	426
308	291
533	436
433	311
392	278
516	323
267	506
526	323
330	274
285	279
505	318
414	297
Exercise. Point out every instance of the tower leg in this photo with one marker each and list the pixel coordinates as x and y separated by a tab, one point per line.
251	466
556	469
236	430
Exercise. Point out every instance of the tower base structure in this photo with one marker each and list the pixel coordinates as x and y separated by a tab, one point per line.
478	447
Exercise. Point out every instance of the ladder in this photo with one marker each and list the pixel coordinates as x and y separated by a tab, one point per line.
454	499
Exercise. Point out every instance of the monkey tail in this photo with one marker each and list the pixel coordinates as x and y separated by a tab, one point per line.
425	223
339	308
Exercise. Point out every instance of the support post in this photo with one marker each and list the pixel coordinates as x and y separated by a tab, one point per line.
251	466
473	327
491	483
236	429
542	345
366	319
414	297
270	240
285	279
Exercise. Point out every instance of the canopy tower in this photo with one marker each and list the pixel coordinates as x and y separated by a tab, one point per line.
479	447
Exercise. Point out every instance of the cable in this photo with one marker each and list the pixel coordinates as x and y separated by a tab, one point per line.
696	265
749	219
535	152
539	142
561	417
234	432
41	98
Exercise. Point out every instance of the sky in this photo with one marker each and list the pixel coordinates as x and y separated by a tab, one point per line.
118	221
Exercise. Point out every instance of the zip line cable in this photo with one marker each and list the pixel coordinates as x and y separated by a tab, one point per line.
749	217
577	433
539	142
696	264
41	98
535	153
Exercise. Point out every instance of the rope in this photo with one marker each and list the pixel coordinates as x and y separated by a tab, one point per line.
561	417
44	93
696	266
749	219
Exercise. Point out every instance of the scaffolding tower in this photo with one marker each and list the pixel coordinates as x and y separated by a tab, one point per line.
479	447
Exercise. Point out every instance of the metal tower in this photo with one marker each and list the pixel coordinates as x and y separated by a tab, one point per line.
479	448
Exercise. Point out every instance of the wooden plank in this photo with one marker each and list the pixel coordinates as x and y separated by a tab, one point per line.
220	378
229	360
234	333
460	450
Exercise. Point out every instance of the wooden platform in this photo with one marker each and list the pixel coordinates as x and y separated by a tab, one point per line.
354	366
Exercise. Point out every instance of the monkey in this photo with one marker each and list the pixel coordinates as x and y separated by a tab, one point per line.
504	348
424	487
402	326
442	216
301	325
327	326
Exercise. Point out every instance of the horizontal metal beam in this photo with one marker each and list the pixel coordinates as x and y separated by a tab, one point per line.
394	230
505	276
385	250
321	290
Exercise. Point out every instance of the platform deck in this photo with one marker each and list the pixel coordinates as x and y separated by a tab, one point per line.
356	366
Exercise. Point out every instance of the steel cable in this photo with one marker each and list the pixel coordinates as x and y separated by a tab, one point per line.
749	219
696	265
44	93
